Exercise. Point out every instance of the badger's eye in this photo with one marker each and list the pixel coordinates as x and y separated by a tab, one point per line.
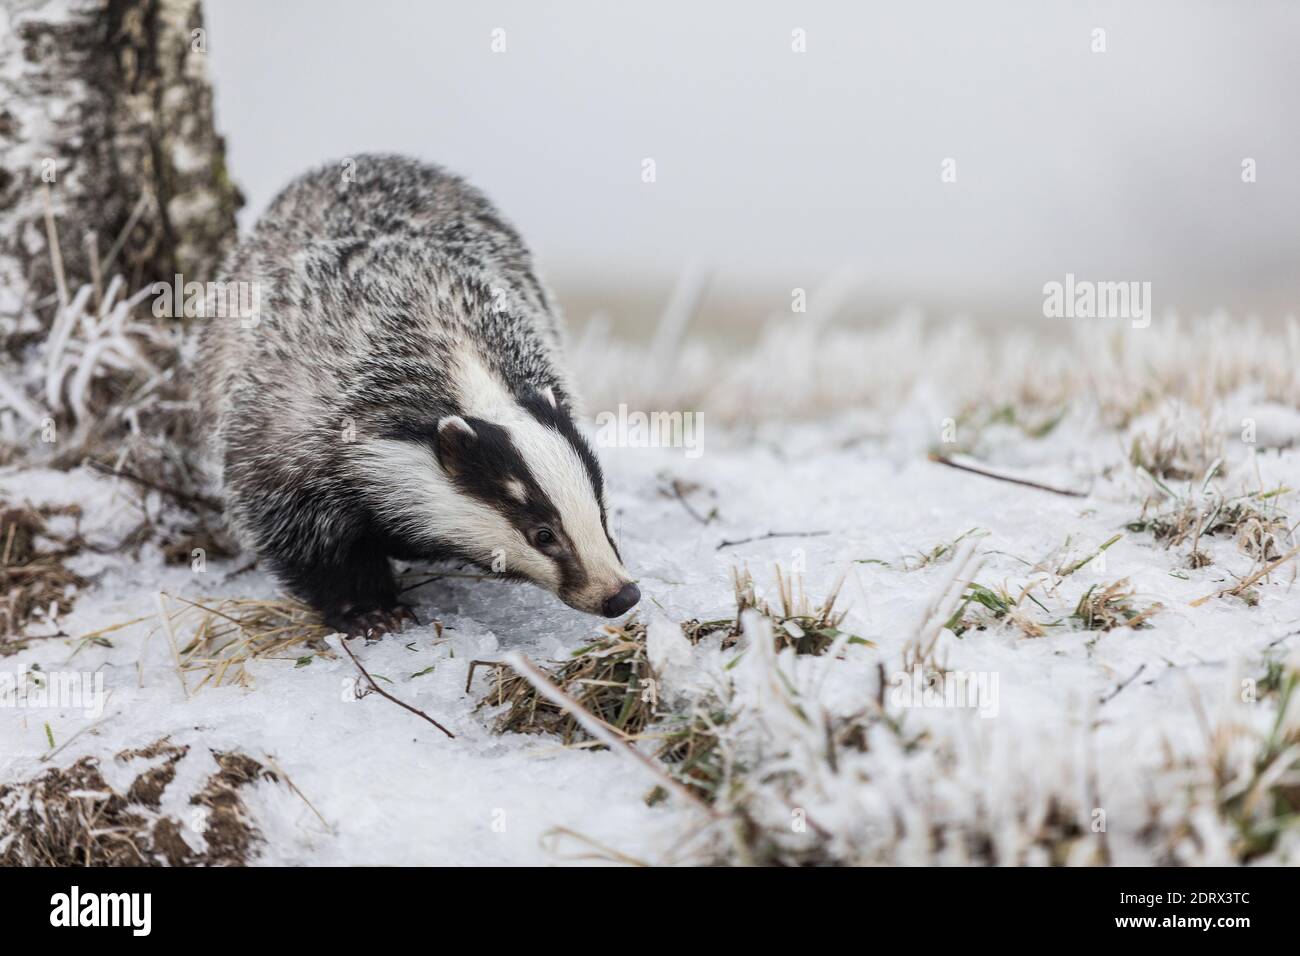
544	537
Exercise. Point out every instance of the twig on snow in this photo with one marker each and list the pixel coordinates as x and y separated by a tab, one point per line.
343	642
702	519
772	534
1115	693
987	473
193	501
443	574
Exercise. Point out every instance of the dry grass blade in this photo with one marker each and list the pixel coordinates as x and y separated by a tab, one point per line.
224	637
598	851
600	731
608	677
1067	570
1253	520
692	747
796	622
219	639
1248	776
1104	608
1179	447
1240	588
941	552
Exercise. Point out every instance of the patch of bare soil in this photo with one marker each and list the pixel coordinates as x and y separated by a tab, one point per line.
33	578
70	816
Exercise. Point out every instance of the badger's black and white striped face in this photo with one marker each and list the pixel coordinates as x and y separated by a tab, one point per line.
512	485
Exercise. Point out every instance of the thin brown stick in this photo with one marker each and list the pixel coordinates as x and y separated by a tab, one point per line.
962	466
383	693
239	571
702	519
600	730
194	501
444	574
120	241
772	534
475	665
1122	684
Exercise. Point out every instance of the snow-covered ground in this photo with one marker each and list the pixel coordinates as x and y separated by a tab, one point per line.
1113	726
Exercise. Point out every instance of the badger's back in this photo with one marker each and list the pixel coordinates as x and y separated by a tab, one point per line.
371	277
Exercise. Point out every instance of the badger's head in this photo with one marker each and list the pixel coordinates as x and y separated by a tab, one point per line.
515	489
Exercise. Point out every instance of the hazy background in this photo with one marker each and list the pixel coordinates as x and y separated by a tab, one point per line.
775	169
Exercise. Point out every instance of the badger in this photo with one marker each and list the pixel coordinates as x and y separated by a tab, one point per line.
399	393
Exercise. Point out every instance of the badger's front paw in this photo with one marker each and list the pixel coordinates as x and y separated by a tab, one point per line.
371	623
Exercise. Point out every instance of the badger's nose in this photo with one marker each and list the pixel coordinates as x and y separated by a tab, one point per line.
622	600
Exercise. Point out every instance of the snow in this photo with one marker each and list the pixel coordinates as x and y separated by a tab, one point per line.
391	789
829	482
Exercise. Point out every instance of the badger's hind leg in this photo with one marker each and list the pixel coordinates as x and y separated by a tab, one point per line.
355	593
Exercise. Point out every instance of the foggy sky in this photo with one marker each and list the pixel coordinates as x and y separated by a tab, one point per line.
777	167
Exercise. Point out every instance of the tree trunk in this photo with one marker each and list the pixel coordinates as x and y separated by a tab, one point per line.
106	119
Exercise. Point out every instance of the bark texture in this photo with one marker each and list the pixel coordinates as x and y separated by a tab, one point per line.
106	115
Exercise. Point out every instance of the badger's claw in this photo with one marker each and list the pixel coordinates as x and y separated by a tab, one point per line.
373	623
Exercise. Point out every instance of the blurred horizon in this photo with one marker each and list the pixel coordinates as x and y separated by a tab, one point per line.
778	170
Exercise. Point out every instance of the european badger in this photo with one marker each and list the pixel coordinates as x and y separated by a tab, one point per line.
400	393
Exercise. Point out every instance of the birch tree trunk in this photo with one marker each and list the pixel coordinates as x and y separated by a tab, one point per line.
106	119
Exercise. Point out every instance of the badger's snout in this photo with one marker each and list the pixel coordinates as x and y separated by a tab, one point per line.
621	601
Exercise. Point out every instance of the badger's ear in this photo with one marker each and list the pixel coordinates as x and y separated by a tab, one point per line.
455	439
548	393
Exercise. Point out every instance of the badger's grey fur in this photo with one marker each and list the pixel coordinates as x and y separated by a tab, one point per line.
400	393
